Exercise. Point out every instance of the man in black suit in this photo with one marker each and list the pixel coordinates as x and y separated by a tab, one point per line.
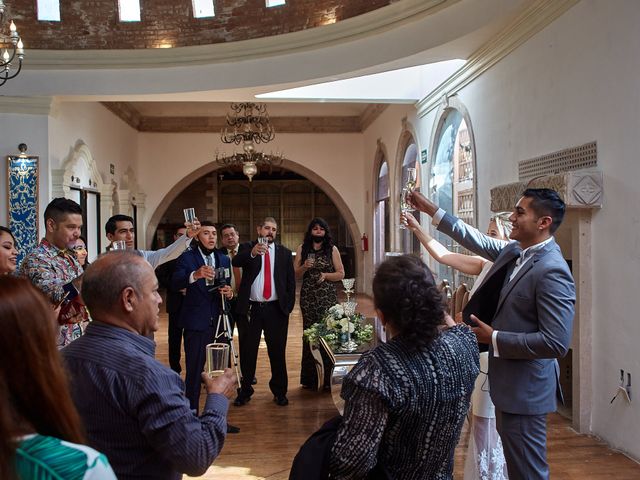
266	298
172	305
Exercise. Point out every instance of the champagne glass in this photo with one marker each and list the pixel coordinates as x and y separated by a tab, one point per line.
412	179
409	186
312	257
217	358
404	206
189	216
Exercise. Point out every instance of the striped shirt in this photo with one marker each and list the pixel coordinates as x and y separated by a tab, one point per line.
405	409
134	409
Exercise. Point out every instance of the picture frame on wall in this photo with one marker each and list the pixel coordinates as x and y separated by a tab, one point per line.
22	200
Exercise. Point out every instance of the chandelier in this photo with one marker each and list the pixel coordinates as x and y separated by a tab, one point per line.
248	124
11	47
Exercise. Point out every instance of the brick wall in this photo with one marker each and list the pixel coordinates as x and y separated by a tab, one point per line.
94	24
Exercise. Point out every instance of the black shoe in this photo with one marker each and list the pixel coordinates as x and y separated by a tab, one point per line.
241	400
281	400
232	428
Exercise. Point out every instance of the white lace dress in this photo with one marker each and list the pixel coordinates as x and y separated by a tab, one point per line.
485	458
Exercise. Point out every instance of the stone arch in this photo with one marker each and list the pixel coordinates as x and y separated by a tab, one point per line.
333	194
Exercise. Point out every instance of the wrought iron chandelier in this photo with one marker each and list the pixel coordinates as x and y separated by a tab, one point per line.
11	48
248	124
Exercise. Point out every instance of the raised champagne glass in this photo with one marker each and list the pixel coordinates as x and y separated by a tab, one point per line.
409	186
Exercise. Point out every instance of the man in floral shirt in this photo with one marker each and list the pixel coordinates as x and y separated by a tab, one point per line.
53	269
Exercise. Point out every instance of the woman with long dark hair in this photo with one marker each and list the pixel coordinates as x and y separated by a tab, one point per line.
40	431
318	261
8	251
406	400
80	251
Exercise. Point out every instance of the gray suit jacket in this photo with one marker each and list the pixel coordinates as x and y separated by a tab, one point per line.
534	319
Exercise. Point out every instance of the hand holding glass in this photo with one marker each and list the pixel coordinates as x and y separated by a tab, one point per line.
311	257
410	185
217	358
263	241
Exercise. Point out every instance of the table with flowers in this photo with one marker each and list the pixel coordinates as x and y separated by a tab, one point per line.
343	347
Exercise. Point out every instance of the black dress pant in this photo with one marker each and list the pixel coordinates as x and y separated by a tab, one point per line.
195	355
269	318
175	342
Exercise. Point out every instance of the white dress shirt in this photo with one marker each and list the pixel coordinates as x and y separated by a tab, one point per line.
258	284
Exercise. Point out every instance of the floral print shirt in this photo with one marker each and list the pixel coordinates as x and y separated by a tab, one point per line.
50	269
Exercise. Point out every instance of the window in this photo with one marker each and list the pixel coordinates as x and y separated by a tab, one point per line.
49	10
129	10
203	9
381	223
275	3
452	186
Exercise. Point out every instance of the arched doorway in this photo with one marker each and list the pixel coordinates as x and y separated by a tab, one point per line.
291	198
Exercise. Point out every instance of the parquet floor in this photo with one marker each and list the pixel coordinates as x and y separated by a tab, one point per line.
270	435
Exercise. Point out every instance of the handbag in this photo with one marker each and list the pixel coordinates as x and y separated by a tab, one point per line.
312	460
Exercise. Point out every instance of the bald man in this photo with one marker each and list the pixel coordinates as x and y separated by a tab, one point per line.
133	407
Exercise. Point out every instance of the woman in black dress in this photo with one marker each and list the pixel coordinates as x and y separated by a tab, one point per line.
318	261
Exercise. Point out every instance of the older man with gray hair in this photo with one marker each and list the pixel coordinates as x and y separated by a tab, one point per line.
134	408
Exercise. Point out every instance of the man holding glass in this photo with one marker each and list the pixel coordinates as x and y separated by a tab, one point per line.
120	228
266	298
133	408
196	272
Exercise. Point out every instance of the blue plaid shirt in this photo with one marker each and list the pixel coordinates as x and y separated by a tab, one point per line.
134	409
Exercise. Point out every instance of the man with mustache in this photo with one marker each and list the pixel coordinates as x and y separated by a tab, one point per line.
266	298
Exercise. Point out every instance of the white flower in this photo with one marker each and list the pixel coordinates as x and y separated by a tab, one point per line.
345	323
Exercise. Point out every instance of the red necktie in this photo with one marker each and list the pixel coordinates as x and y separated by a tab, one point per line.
266	291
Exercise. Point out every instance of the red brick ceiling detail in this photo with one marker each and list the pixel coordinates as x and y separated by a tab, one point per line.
94	24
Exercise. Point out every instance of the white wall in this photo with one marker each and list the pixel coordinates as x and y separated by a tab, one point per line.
110	140
165	159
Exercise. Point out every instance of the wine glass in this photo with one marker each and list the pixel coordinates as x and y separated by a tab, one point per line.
348	284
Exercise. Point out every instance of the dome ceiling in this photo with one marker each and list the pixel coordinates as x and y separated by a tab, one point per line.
171	23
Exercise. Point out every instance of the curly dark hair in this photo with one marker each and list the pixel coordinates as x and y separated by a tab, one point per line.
307	244
405	291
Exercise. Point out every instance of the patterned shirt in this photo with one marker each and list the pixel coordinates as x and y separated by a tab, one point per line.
47	458
51	269
405	409
134	408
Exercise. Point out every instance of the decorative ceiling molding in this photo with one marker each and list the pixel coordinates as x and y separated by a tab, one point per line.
392	16
26	105
370	115
126	112
529	22
282	124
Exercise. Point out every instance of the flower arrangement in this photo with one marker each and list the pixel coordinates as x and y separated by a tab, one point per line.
334	327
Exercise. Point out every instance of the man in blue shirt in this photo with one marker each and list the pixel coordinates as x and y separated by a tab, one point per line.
133	407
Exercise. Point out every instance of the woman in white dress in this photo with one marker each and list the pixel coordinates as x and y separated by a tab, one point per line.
485	458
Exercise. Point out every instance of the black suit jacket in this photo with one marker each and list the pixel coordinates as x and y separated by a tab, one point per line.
201	306
164	273
283	276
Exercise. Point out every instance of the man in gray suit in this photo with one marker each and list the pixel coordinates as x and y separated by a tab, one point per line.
524	311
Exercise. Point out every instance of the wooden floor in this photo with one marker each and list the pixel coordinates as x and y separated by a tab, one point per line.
270	435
